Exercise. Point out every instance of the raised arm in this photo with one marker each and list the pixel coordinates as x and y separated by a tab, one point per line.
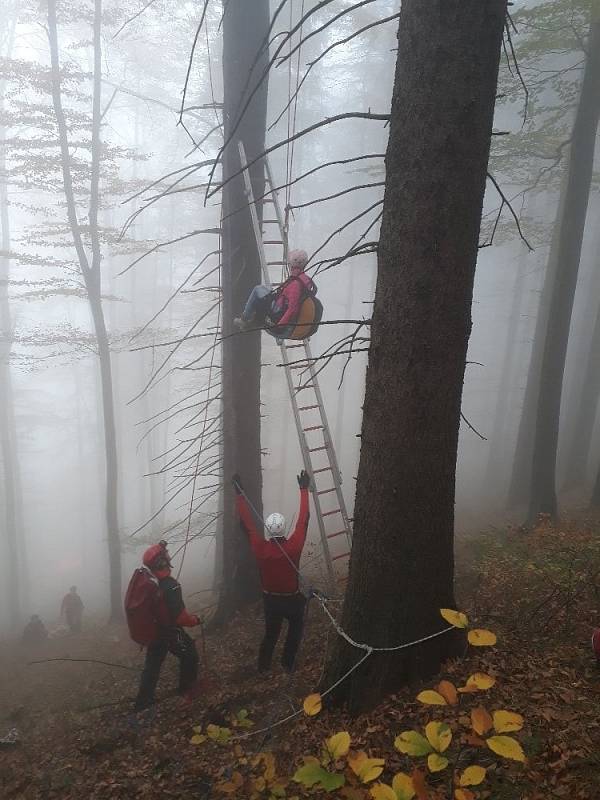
298	537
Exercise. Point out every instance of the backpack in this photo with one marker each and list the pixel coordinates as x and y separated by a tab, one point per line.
141	607
309	314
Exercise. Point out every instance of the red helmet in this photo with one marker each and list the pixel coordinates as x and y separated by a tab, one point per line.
154	553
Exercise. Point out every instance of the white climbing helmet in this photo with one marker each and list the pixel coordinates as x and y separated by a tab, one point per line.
274	526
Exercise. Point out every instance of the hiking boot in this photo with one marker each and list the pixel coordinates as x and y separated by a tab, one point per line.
241	324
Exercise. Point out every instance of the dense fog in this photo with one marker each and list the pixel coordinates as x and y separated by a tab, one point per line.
160	245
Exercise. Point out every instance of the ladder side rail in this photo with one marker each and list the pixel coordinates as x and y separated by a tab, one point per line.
283	228
254	215
335	468
301	436
308	465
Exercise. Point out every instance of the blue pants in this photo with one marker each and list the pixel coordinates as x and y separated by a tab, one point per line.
255	304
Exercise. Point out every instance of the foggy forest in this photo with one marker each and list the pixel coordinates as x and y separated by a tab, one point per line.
299	399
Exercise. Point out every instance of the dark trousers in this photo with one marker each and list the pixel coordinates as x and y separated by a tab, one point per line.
182	646
278	608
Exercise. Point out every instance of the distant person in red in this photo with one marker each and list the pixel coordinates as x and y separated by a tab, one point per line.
72	610
172	617
278	557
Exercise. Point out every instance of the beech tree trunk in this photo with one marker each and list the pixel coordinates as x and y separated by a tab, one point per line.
572	224
12	512
585	417
91	272
245	27
402	563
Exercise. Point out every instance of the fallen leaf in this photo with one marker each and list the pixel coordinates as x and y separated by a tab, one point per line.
312	705
481	720
412	743
479	637
448	692
431	698
507	747
456	618
472	776
438	735
507	721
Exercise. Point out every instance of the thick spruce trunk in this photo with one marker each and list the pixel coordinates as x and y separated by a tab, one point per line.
402	563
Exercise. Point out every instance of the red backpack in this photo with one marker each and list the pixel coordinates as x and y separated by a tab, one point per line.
141	607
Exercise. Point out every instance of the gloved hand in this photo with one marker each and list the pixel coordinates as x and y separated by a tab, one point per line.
279	341
303	479
237	483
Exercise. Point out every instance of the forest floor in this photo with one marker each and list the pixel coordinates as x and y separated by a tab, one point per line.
539	592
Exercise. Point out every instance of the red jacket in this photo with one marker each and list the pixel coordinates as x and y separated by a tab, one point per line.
291	295
276	573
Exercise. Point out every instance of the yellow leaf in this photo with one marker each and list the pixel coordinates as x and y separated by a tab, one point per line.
481	681
412	743
229	787
436	762
479	637
403	785
338	744
472	776
197	728
438	735
463	794
312	705
366	768
431	698
507	747
198	738
448	692
507	721
481	720
456	618
381	791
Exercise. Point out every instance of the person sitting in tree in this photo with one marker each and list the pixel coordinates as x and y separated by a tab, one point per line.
278	310
72	610
278	557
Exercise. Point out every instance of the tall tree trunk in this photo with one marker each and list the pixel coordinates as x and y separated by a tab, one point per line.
572	224
93	281
402	563
519	491
493	483
245	28
585	417
16	578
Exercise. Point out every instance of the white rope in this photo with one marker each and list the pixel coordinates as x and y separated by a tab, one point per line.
370	648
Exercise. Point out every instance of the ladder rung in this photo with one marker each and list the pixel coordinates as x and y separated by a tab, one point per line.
313	428
327	491
272	241
268	200
293	346
323	469
300	388
342	555
337	533
275	263
314	450
297	366
307	408
329	513
270	221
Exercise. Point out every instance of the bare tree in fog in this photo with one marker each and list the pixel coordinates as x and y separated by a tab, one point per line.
245	58
90	265
570	224
12	500
401	569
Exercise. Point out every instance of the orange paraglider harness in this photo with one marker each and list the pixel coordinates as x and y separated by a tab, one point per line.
310	312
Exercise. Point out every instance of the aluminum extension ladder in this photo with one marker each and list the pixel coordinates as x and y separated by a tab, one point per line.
314	435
